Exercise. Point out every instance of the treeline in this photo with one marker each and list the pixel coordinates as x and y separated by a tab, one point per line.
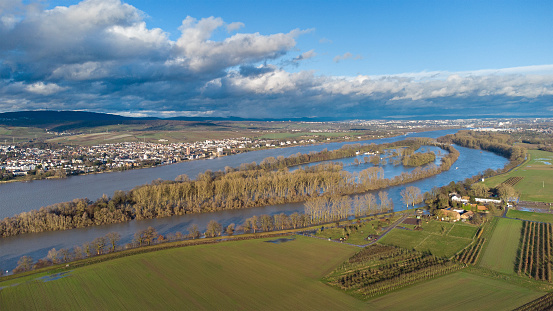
346	151
540	140
333	208
233	189
418	159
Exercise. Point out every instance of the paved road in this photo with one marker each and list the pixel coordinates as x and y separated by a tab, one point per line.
392	226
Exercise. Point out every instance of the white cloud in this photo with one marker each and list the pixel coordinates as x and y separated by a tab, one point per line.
234	26
44	89
303	56
201	54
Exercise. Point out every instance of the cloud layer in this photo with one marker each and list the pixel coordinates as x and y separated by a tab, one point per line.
99	55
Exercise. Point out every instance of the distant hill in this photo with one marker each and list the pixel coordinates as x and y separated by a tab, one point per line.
48	116
74	119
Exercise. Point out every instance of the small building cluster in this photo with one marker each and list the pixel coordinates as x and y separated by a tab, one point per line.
466	210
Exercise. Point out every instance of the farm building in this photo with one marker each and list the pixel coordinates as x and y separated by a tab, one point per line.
467	215
482	209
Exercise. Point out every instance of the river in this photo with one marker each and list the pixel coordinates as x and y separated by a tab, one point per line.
20	197
469	163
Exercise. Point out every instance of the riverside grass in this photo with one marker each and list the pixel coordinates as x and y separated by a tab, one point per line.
537	184
250	274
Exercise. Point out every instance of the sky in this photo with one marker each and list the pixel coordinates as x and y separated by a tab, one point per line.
279	59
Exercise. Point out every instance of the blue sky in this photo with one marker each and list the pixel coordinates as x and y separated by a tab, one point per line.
391	36
281	59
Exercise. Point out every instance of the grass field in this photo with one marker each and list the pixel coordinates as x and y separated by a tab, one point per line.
457	291
246	275
10	134
537	184
440	238
359	236
500	251
117	136
543	217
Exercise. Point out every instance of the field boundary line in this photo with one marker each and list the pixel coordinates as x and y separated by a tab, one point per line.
447	234
421	241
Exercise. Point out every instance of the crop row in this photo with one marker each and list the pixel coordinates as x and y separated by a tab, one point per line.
408	279
511	181
534	256
470	255
376	252
378	269
544	302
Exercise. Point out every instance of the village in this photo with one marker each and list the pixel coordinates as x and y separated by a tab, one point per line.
73	160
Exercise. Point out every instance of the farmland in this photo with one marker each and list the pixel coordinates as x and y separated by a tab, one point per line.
254	274
440	238
535	251
532	179
501	250
471	254
377	270
457	291
235	275
357	233
543	217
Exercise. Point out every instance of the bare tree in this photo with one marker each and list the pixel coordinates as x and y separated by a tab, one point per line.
53	256
193	231
230	229
384	201
213	229
113	238
99	244
370	202
25	263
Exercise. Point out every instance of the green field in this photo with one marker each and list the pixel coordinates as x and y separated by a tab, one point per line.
542	217
440	238
357	236
10	134
249	274
457	291
463	231
537	184
501	250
